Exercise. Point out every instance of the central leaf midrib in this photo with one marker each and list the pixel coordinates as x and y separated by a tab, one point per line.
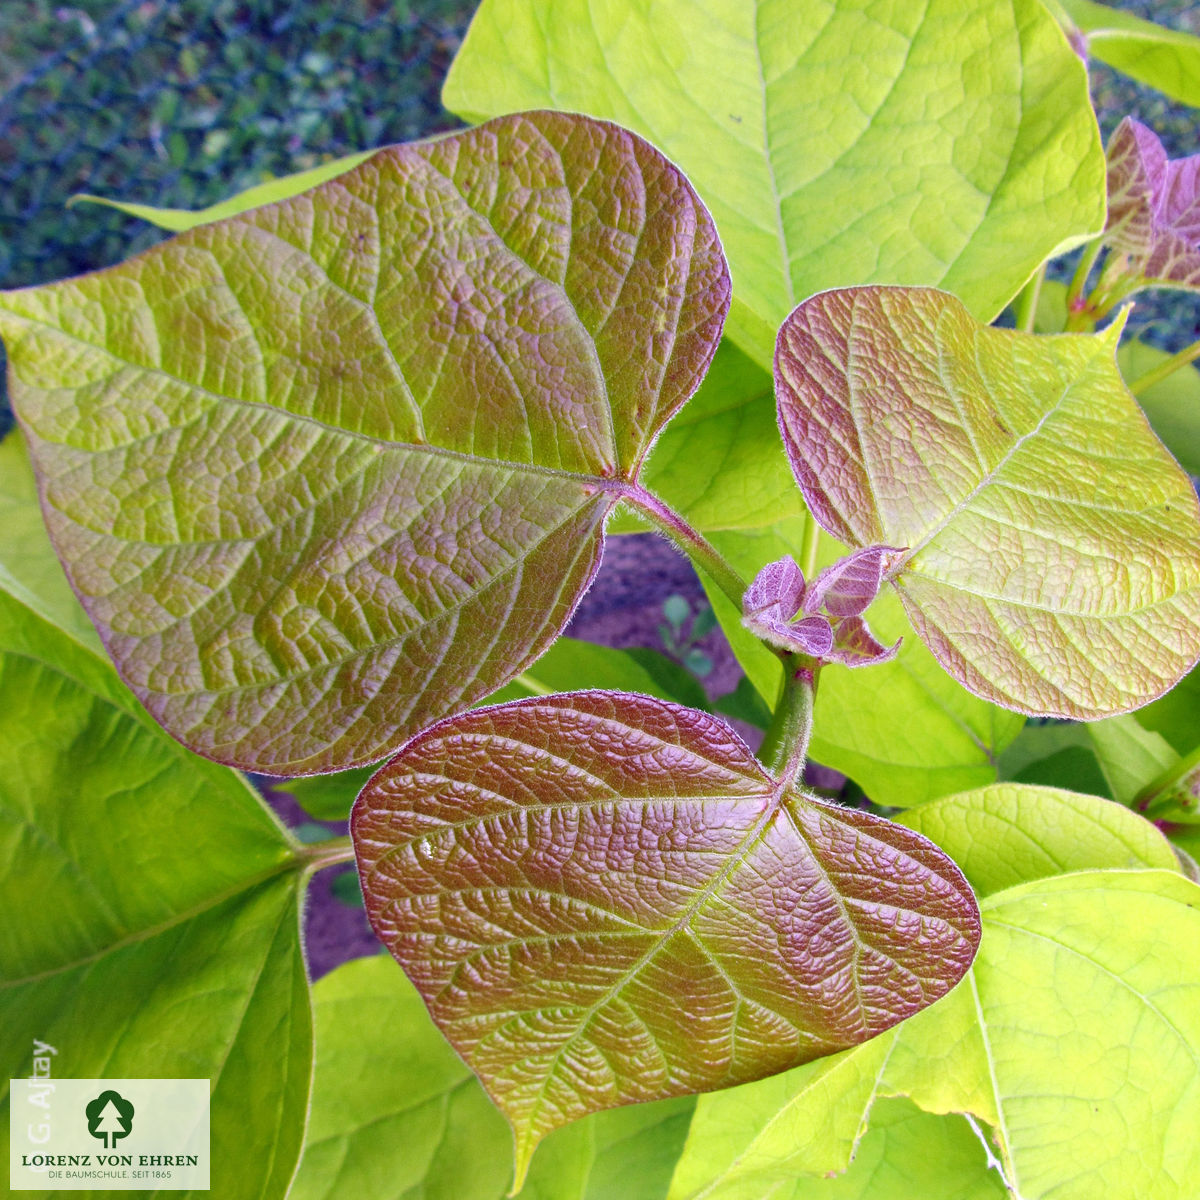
734	860
599	481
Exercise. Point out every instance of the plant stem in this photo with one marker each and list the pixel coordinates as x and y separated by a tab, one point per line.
1167	367
1174	774
785	745
532	685
701	551
1026	306
1086	262
808	548
317	855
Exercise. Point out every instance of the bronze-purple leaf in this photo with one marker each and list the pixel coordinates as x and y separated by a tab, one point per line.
605	899
1153	207
332	469
1051	544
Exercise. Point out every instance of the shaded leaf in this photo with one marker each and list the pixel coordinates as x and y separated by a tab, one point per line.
1172	405
1009	834
1076	1035
604	899
1058	754
152	908
358	447
569	664
397	1116
1177	715
1130	756
944	143
178	220
1166	59
1053	544
719	462
1153	208
744	704
904	731
29	568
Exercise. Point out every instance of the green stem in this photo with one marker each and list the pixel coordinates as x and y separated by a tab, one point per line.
1174	774
532	685
1080	278
701	551
808	547
1166	368
317	855
785	745
1025	309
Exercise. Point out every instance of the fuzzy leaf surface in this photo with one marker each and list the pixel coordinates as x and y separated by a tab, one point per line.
1076	1035
945	142
1053	543
604	899
329	470
1153	207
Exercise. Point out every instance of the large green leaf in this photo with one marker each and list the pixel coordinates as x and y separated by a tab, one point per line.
398	1116
1076	1035
1166	59
948	142
1053	544
1012	833
329	470
605	899
747	1142
151	908
903	730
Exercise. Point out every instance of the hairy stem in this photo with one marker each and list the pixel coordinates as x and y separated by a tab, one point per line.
1079	280
701	551
1166	368
318	855
1025	309
785	746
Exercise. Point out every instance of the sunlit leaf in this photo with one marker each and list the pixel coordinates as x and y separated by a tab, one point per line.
948	143
178	220
1076	1035
1153	207
329	470
1053	544
151	908
904	730
397	1116
746	1142
604	899
1012	833
1166	59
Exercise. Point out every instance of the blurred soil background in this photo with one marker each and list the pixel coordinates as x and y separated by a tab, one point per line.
181	103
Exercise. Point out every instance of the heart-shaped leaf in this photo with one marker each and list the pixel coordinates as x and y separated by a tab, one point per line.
949	142
1153	207
1053	544
326	471
604	899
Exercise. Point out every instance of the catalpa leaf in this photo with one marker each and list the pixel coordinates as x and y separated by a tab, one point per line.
1153	207
604	899
329	470
1052	543
949	142
1076	1036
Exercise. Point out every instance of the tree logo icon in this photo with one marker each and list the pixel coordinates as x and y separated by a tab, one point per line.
109	1117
